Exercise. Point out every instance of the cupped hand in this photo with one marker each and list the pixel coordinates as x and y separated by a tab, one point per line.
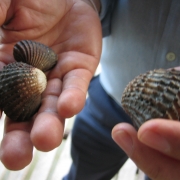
72	29
154	148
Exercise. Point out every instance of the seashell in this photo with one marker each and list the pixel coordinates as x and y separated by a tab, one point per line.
155	94
22	82
35	54
21	86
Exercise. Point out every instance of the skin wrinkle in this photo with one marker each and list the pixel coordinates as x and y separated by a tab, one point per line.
55	94
76	76
30	14
3	8
66	41
153	172
37	29
50	91
156	172
54	108
45	106
38	8
23	126
77	31
65	16
144	156
67	63
160	126
74	86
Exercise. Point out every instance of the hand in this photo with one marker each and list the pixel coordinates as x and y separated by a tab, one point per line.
154	148
72	29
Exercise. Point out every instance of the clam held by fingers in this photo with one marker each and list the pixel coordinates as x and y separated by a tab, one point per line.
22	83
155	94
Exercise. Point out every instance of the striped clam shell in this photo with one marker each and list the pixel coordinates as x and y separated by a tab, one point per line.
35	54
21	86
155	94
22	82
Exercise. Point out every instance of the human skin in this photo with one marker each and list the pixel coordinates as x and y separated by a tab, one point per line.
72	29
154	148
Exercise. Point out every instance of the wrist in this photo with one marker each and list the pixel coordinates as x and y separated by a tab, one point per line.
95	4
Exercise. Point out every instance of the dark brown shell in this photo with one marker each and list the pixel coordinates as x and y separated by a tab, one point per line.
155	94
35	54
21	86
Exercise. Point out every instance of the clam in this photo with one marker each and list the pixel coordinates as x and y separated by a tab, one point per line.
155	94
35	54
22	82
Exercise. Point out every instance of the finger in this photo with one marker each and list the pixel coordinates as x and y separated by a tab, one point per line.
155	164
16	146
162	135
72	99
48	127
16	150
76	70
46	134
12	126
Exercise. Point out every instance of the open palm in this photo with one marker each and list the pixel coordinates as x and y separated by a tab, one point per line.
72	29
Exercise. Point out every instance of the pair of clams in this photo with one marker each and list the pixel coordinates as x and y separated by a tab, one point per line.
22	82
155	94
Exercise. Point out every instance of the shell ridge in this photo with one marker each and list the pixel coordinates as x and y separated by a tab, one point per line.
26	51
35	102
155	94
18	53
134	112
23	51
35	54
29	50
23	84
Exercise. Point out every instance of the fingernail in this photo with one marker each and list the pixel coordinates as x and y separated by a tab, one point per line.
155	141
124	141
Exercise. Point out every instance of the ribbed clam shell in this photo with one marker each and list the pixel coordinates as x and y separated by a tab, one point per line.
155	94
35	54
21	86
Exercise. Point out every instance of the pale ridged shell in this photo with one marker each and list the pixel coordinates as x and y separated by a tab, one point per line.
21	86
155	94
35	54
